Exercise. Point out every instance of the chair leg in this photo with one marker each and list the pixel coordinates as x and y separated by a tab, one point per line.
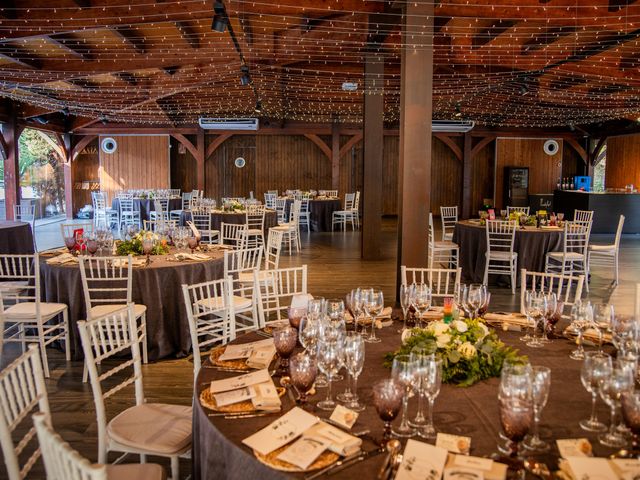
143	338
513	278
67	341
43	351
485	277
175	468
615	269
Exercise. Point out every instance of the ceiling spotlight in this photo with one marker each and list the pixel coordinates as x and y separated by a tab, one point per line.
458	113
245	79
258	108
220	19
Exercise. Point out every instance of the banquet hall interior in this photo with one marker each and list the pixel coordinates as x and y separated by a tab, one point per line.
403	232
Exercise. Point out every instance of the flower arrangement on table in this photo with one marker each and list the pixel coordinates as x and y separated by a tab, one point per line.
233	206
469	351
134	246
522	218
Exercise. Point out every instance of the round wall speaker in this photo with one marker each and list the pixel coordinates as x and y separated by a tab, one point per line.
109	145
239	162
551	147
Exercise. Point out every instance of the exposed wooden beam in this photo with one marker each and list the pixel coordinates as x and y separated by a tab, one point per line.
171	70
81	144
193	150
449	142
219	140
20	57
320	144
82	3
492	31
350	143
130	37
72	45
188	33
126	77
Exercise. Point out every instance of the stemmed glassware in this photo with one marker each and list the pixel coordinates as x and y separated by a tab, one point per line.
303	369
329	362
192	243
335	309
595	368
431	380
535	307
405	303
551	303
70	243
387	400
421	355
459	295
581	319
354	304
541	382
295	315
603	316
476	298
619	381
285	339
373	303
630	406
147	248
624	333
92	244
317	307
404	371
421	299
354	354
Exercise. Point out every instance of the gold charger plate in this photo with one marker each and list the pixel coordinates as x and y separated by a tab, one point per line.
207	400
278	324
214	358
325	459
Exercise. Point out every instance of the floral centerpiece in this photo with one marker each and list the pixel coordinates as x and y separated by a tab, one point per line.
233	206
522	218
469	351
134	246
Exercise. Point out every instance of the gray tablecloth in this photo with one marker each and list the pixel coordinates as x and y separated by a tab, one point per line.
473	411
321	213
157	286
270	219
146	206
531	244
16	238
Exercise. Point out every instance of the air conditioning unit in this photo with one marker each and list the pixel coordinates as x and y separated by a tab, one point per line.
228	123
452	125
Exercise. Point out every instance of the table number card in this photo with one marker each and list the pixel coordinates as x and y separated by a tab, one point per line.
421	461
344	416
241	381
280	432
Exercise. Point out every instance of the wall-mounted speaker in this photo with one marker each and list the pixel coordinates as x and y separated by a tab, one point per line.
109	145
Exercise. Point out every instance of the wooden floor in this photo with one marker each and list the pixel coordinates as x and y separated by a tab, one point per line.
335	268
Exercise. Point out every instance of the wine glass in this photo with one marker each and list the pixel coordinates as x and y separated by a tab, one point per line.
551	303
317	307
108	243
595	368
387	400
92	244
285	339
603	315
624	333
421	355
335	308
581	319
541	382
459	295
619	381
405	303
354	304
421	299
354	354
404	370
630	406
70	243
476	297
303	369
295	315
515	399
485	306
373	306
535	308
192	243
308	334
147	248
329	362
431	380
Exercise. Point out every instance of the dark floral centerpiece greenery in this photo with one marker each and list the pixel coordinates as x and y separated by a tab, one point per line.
134	246
469	351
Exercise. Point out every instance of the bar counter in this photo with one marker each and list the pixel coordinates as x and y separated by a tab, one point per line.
607	207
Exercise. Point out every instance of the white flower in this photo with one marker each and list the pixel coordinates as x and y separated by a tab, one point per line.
407	333
485	330
438	328
460	326
467	350
443	340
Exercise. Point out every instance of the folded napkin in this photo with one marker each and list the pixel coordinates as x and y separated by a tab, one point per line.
386	313
54	251
261	357
266	397
62	259
506	317
301	301
191	256
341	442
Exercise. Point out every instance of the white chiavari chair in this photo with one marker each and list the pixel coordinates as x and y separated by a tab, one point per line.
211	315
573	257
202	222
24	316
159	225
160	209
281	210
568	288
254	219
186	202
444	253
270	200
500	259
281	286
341	217
143	429
26	212
271	258
128	213
174	192
233	234
22	392
449	218
246	297
292	228
583	216
511	210
331	193
103	216
442	281
305	213
607	255
64	463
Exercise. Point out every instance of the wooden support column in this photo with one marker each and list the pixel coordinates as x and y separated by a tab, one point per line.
68	174
11	132
335	156
373	142
416	107
200	146
467	176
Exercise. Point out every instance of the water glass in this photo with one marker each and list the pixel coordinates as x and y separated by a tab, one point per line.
373	303
329	361
405	303
354	355
595	368
541	383
619	381
421	298
405	371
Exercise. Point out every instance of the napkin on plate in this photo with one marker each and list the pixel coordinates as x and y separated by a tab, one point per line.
340	442
181	256
508	318
386	313
62	259
261	357
266	397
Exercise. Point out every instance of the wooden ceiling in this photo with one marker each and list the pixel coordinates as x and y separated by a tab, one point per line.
533	63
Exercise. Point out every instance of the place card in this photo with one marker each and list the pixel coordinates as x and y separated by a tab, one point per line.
236	352
476	463
490	470
574	447
265	396
457	473
261	357
303	452
627	468
339	442
421	461
240	381
344	416
280	432
584	468
234	396
454	443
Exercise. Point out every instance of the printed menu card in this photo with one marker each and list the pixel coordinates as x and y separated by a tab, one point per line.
281	431
241	381
421	461
244	350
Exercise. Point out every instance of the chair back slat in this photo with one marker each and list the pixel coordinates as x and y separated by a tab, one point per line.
232	234
511	210
442	281
500	235
272	252
281	208
449	218
281	286
568	288
576	238
106	280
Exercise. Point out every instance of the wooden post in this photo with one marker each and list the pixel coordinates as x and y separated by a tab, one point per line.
11	132
467	176
416	107
335	156
373	138
68	175
200	146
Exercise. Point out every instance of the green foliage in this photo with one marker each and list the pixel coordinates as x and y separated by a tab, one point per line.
134	246
469	351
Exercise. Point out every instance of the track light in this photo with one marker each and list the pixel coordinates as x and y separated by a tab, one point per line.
220	18
245	78
258	108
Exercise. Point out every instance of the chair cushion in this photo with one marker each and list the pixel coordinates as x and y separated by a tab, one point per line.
448	237
501	255
28	310
284	227
135	471
569	256
15	286
156	427
100	310
239	303
254	231
593	248
246	277
446	244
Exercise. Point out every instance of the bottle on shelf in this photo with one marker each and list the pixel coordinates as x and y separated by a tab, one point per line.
558	184
573	187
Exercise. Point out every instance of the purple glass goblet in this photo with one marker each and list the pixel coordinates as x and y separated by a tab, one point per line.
387	400
285	340
303	370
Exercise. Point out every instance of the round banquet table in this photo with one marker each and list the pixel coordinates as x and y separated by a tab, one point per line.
320	212
531	244
217	218
157	286
146	205
16	238
473	411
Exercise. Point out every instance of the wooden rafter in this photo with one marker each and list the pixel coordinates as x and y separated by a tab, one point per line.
219	140
72	45
326	149
130	37
188	33
20	57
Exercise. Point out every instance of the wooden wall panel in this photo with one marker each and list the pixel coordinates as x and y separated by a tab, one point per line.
572	164
141	161
85	174
623	161
544	170
446	177
183	166
222	177
483	177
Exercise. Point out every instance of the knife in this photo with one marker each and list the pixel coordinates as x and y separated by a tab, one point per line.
345	463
